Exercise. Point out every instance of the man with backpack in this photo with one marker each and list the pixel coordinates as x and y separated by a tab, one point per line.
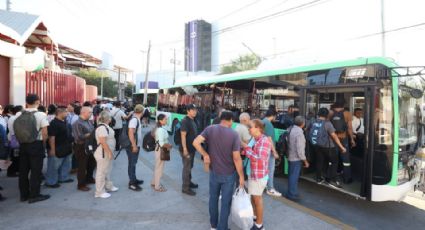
31	132
342	122
323	139
136	140
296	156
118	115
188	133
83	133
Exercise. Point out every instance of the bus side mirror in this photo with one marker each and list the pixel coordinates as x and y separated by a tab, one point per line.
416	93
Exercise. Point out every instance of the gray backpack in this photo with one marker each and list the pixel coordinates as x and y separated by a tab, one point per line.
318	135
25	127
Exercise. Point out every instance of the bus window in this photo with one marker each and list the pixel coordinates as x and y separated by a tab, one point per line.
409	110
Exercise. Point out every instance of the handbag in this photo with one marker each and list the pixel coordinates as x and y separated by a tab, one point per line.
164	154
13	144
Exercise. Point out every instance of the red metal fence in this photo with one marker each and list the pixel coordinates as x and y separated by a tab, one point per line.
55	88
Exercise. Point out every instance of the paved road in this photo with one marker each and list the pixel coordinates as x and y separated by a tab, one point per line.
70	209
359	213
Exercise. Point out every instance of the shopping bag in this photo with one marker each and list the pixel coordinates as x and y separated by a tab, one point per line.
242	213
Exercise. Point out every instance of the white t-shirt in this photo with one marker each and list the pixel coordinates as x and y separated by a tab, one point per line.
355	123
132	125
118	115
110	138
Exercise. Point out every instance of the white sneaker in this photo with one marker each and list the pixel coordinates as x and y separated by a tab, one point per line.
104	195
113	189
273	192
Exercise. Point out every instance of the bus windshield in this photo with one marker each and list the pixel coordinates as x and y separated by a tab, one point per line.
411	102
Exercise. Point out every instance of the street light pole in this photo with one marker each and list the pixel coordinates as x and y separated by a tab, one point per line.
145	96
174	72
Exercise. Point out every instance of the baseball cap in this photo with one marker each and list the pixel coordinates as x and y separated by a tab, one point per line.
191	107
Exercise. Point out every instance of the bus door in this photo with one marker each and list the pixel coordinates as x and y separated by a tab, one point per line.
355	97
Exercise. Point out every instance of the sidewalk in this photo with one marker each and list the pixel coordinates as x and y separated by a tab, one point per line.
71	209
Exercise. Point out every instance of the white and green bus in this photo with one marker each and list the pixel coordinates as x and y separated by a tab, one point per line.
391	97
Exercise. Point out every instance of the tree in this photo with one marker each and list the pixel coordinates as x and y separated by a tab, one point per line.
243	63
94	77
128	91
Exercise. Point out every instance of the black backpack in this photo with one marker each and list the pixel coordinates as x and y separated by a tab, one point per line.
149	142
318	136
338	121
282	145
124	139
177	134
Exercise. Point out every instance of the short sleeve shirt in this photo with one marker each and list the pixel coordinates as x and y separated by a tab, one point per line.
105	131
330	129
133	125
118	115
269	129
58	129
189	126
222	142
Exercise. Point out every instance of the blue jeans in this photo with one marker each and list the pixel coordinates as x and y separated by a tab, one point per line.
226	185
132	161
345	159
294	170
270	183
58	169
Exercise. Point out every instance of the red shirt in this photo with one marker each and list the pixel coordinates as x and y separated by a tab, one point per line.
259	157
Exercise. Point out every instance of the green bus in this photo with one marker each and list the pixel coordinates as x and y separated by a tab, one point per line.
151	101
390	96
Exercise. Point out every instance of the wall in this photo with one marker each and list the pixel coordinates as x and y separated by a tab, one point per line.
4	80
91	92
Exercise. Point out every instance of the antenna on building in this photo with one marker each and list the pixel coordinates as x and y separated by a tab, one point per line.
8	4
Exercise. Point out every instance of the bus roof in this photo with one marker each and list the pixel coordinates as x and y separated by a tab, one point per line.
298	69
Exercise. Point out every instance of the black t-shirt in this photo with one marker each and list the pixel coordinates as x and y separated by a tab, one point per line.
189	126
59	130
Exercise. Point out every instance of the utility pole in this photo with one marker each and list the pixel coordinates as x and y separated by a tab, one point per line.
174	72
383	28
8	4
101	85
119	84
145	96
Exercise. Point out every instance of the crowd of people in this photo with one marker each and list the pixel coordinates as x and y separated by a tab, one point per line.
83	138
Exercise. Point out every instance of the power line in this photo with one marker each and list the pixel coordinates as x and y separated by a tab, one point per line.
273	15
260	19
237	10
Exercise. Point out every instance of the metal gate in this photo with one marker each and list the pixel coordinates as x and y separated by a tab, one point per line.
55	88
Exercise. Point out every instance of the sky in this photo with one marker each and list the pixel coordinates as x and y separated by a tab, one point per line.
322	31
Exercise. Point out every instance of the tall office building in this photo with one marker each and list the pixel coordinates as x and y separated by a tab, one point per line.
198	46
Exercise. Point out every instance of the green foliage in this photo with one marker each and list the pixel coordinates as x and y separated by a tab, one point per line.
128	91
94	77
243	63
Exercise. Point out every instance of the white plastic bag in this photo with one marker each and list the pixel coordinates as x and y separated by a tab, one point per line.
242	213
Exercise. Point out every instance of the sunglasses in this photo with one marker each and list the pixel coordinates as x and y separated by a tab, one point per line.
250	126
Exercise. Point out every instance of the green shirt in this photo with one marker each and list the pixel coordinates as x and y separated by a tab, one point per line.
269	129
